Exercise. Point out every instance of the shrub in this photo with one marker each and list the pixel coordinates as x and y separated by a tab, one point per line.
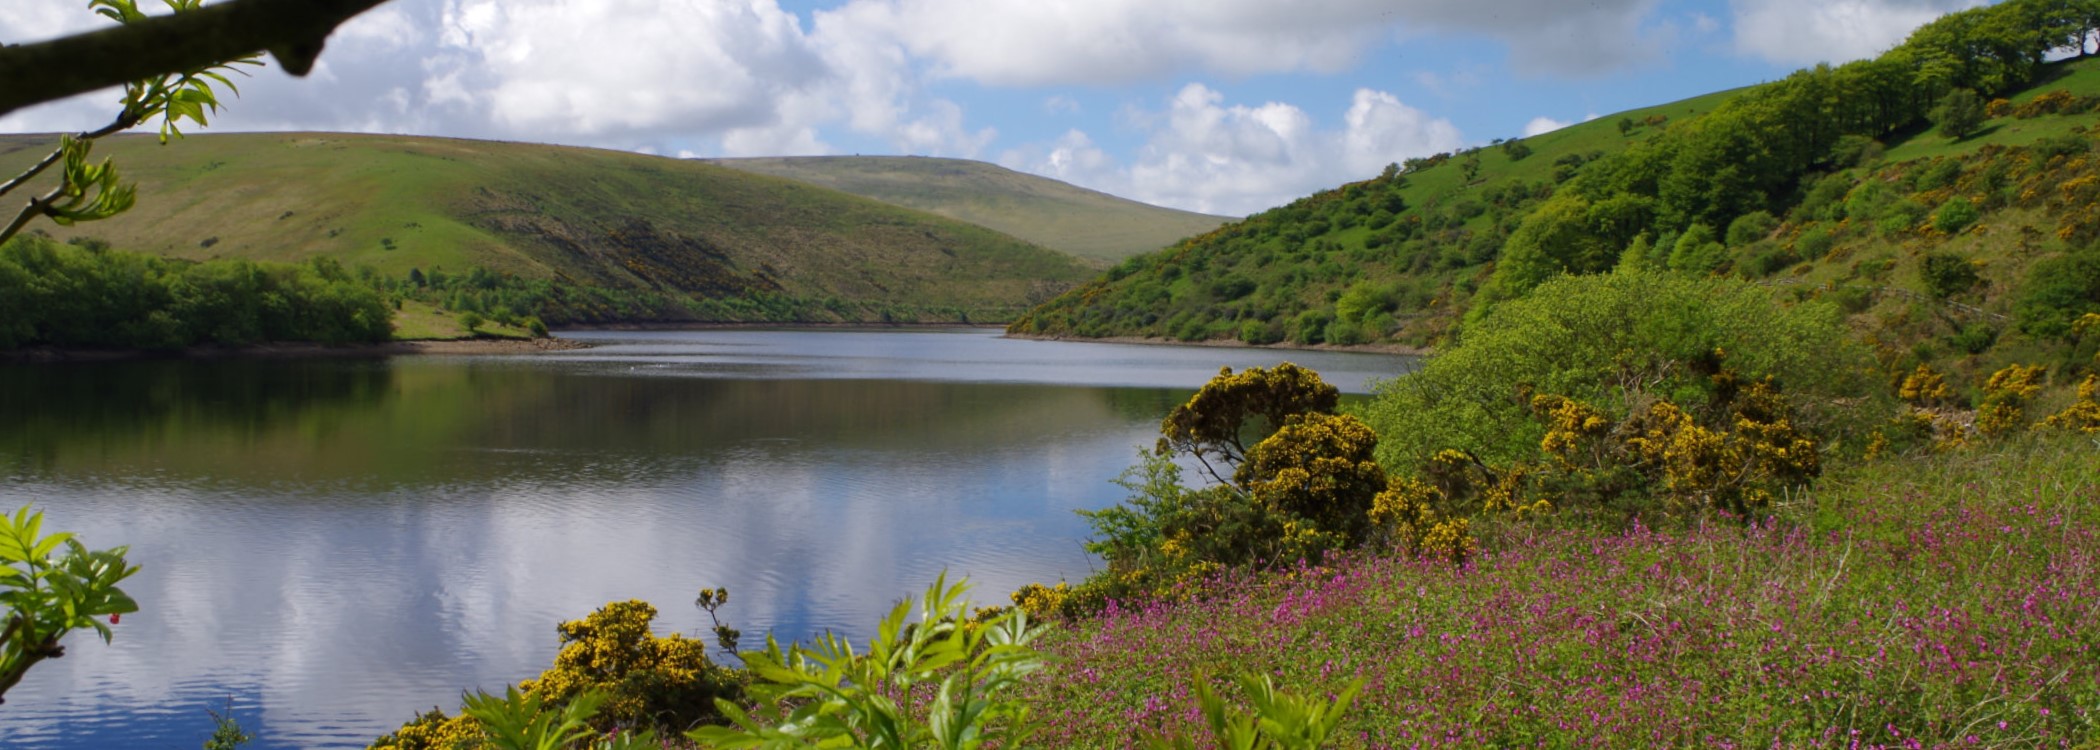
1947	274
1954	216
1750	228
1959	114
1616	342
1854	150
2057	292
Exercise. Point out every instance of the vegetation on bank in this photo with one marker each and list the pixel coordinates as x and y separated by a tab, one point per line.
85	295
1832	178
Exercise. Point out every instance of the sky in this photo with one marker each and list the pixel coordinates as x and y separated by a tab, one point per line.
1221	106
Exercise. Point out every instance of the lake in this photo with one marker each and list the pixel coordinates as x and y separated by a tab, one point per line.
329	546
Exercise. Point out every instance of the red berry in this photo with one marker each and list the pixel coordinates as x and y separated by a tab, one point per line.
113	618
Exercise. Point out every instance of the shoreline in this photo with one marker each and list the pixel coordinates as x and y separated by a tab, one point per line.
301	350
1400	349
703	326
502	346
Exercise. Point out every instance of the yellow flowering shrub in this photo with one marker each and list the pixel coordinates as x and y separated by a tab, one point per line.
433	730
2005	398
1406	512
1735	468
1321	468
2083	415
1042	602
1923	387
648	680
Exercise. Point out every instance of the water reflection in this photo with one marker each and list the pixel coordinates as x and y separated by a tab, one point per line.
335	545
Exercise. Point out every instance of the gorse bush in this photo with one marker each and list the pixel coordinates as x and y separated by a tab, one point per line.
630	677
1616	342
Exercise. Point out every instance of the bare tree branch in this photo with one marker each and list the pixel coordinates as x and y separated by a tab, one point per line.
293	31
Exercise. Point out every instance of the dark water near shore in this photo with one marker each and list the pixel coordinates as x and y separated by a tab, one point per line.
333	545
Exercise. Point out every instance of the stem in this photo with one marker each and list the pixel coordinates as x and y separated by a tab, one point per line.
35	208
124	121
291	30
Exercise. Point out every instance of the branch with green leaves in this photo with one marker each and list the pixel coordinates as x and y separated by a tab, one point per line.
46	595
830	695
170	67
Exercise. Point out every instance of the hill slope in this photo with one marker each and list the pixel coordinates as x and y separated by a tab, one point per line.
1047	212
576	218
1833	181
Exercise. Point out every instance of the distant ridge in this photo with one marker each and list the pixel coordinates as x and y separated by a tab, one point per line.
1057	215
584	217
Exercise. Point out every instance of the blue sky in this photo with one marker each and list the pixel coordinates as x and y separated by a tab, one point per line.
1226	106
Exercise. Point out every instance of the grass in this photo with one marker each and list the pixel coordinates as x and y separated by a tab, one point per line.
420	321
2080	77
1942	601
596	218
1047	212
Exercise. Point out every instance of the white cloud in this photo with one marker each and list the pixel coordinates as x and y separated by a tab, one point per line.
1805	32
1204	154
1061	105
1544	125
1033	42
618	67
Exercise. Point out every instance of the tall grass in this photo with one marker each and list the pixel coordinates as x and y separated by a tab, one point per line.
1948	601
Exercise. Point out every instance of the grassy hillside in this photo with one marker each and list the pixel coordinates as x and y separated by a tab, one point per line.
662	230
1046	212
1419	241
1833	181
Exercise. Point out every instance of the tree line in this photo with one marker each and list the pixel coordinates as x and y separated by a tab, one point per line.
87	295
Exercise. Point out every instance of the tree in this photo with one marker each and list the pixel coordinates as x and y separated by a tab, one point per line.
1215	421
1959	114
168	66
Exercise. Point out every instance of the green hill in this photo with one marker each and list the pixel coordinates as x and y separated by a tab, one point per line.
572	234
1047	212
1834	182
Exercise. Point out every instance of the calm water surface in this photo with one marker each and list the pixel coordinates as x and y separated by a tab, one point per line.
331	546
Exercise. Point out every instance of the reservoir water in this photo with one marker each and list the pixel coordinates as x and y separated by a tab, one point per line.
330	546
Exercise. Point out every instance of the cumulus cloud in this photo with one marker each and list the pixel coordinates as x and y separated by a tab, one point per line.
1542	126
1030	43
746	77
1204	154
1805	32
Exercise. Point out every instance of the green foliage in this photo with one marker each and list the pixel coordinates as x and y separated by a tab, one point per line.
524	721
1959	114
48	592
2057	292
1754	153
1854	150
1946	274
1955	215
830	695
82	296
1750	228
226	733
1698	251
471	321
1618	341
1280	721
